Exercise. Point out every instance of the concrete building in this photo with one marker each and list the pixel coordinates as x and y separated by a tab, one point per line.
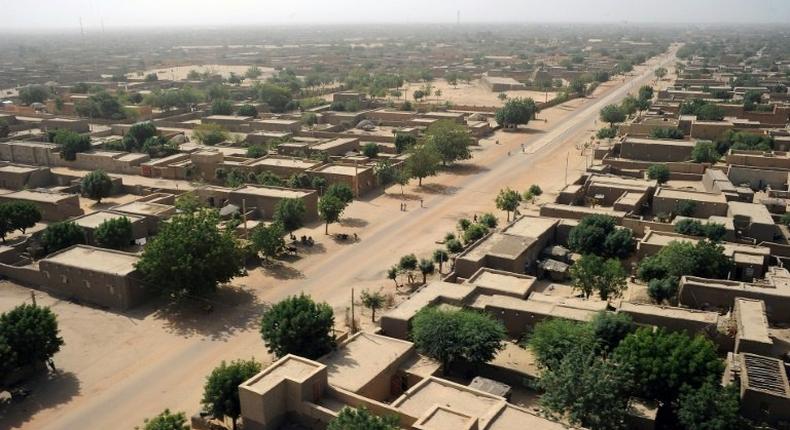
500	84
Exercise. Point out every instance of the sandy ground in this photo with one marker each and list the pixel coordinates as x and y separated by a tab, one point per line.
118	368
472	94
179	73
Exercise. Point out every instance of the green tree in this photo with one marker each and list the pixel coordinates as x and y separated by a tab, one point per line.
612	114
61	235
488	220
666	133
423	162
33	94
361	419
370	150
101	105
221	107
373	301
597	234
19	215
290	213
454	246
247	110
115	233
508	200
658	172
190	256
299	326
340	190
710	407
452	335
516	111
587	390
474	232
710	112
210	133
704	152
221	391
70	143
253	72
610	328
662	289
30	335
275	96
554	338
385	173
268	239
330	208
663	362
426	268
404	142
188	203
592	273
681	258
96	185
166	421
440	257
256	151
450	139
660	73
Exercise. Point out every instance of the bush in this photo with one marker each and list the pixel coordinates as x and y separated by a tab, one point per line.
606	133
663	289
658	172
248	110
488	220
474	233
597	234
666	133
210	134
454	246
704	152
114	233
61	235
686	207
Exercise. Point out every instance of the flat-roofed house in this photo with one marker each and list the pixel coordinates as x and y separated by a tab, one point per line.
359	177
666	201
753	220
753	334
265	199
514	249
101	276
655	150
92	221
19	176
54	206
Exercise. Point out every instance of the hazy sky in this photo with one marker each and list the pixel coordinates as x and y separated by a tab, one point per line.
18	14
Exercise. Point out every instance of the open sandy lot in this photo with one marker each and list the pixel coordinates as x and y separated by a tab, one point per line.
179	73
472	94
118	368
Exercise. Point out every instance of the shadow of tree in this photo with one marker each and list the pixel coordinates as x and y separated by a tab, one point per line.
466	169
231	309
279	270
353	222
404	196
439	189
48	390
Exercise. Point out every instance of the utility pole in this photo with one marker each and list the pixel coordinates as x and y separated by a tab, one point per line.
244	217
353	320
567	160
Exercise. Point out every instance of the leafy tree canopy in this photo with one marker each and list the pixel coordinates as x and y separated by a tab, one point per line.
300	326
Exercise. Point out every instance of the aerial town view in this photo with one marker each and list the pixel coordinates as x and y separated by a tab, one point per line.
348	215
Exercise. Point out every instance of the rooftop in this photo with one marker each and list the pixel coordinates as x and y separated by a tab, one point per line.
342	169
362	359
144	208
752	322
433	391
530	226
95	219
276	192
674	193
290	366
765	374
502	282
96	259
38	196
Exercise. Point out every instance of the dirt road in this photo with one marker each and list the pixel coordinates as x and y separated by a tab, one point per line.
117	369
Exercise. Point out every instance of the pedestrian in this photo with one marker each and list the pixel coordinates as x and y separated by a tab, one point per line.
475	217
497	141
508	153
421	203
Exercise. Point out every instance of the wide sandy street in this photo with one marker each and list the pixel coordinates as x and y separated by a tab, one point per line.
117	369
